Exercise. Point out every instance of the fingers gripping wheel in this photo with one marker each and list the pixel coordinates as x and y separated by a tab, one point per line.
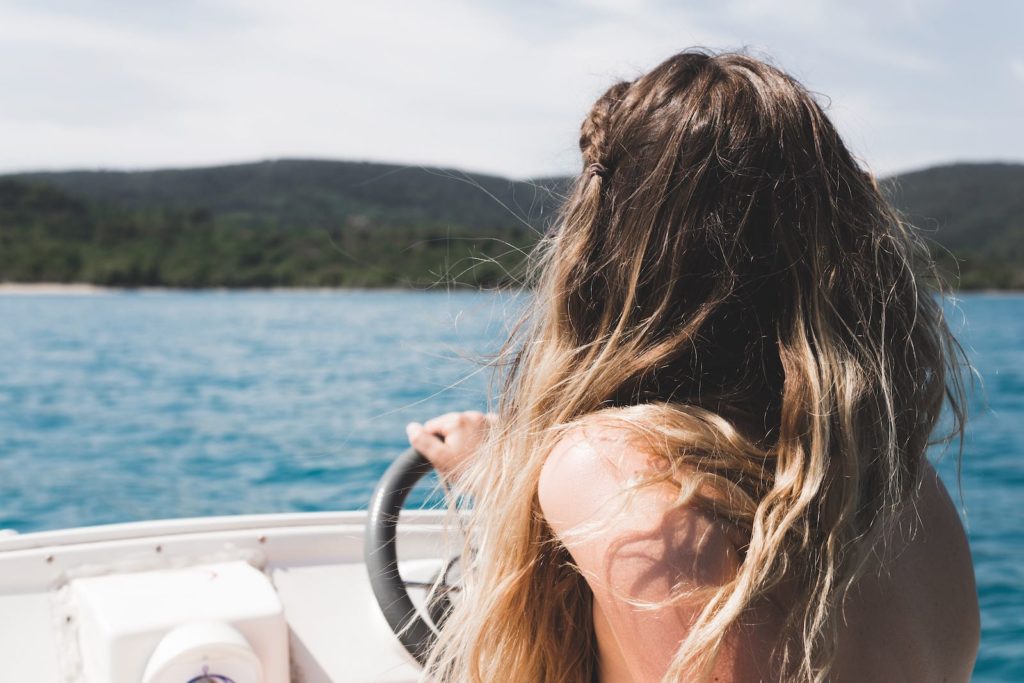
381	556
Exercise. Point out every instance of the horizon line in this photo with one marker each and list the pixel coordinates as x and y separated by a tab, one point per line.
398	165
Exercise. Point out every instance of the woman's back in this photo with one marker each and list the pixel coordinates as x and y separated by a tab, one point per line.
912	616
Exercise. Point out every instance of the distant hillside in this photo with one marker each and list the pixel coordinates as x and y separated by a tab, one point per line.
976	212
335	223
293	193
278	223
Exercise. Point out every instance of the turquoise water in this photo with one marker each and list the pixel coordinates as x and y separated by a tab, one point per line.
119	407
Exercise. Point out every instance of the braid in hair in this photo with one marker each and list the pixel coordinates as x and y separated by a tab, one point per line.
597	160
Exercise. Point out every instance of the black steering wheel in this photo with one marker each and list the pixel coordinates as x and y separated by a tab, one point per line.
381	557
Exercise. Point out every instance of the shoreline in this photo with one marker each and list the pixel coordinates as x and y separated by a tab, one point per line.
29	288
86	289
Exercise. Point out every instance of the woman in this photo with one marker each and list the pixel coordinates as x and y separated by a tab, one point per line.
708	461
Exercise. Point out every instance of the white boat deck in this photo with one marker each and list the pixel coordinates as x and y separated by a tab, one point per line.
314	561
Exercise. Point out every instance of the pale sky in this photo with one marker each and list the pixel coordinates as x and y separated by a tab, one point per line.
485	85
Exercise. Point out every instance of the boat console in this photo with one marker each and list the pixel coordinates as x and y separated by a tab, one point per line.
247	599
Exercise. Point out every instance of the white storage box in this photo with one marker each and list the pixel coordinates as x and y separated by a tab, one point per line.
221	619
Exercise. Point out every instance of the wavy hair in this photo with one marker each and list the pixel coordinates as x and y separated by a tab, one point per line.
725	280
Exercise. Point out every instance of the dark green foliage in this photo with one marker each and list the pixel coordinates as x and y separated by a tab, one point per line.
284	223
328	223
974	216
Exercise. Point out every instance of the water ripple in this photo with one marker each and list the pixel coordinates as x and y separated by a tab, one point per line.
120	407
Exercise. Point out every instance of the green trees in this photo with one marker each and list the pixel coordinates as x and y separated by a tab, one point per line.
282	224
338	224
974	216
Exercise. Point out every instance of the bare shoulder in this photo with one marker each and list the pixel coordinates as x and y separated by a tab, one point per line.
935	534
591	467
923	595
938	563
589	487
633	544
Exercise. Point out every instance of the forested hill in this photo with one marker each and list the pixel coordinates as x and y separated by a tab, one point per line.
301	193
976	212
335	223
276	223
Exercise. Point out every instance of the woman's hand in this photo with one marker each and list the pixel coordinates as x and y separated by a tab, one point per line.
451	440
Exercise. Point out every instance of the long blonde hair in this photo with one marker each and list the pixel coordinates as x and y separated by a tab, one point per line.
727	281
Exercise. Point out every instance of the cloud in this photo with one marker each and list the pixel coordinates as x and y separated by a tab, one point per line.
1017	69
480	85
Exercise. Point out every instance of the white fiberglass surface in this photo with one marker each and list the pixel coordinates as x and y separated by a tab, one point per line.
314	562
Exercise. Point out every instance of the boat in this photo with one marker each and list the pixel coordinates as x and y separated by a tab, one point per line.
324	597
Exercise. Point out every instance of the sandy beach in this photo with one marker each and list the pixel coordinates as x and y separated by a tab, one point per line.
29	288
82	288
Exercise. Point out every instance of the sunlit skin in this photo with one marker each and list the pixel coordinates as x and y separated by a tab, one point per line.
913	617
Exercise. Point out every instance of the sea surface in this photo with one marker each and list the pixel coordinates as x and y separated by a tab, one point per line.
127	406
